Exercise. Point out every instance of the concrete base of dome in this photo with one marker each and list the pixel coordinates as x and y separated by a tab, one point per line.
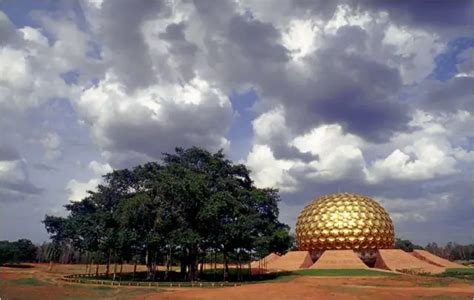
368	256
339	259
293	260
401	261
389	259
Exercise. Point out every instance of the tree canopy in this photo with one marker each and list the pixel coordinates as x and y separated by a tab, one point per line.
192	203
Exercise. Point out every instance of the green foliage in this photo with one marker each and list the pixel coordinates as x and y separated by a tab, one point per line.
194	203
22	250
406	245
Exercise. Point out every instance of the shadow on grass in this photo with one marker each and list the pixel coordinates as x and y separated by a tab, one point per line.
209	277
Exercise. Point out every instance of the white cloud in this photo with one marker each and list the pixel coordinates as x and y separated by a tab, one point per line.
12	171
78	190
339	154
100	169
156	119
417	49
14	69
268	171
270	125
429	151
51	143
301	37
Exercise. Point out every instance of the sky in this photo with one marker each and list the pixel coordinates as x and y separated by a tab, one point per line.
315	97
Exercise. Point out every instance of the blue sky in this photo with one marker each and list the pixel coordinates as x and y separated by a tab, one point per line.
314	97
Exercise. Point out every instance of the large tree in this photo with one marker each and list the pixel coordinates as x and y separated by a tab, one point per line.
192	203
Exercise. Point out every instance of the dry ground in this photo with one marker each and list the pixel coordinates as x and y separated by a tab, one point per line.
38	283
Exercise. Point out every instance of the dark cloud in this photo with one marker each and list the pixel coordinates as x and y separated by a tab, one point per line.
426	14
8	34
181	49
44	167
8	153
320	8
348	87
257	40
120	32
449	96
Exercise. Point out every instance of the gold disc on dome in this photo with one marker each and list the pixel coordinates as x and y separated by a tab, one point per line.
344	221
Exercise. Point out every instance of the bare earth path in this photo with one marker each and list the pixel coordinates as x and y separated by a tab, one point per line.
38	283
408	287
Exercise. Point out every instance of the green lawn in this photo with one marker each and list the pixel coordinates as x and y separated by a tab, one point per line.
210	276
28	281
462	273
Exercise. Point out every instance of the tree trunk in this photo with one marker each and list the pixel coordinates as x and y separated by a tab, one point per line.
192	263
250	268
153	265
148	265
134	268
226	266
107	267
97	269
168	264
215	265
183	265
115	270
201	269
90	267
87	263
121	269
238	266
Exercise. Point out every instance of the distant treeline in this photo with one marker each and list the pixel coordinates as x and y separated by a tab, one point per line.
451	250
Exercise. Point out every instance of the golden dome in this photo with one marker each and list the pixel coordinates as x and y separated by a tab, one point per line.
344	221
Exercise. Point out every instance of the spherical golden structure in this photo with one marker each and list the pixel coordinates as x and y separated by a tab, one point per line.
344	221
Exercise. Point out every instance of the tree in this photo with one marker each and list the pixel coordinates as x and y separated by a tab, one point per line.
192	203
406	245
25	251
19	251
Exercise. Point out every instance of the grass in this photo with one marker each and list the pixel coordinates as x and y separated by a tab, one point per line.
28	281
467	271
433	284
461	273
215	276
341	272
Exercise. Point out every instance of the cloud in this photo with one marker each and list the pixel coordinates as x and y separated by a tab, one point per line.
339	155
99	169
157	119
15	183
347	98
79	190
118	24
268	171
51	143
